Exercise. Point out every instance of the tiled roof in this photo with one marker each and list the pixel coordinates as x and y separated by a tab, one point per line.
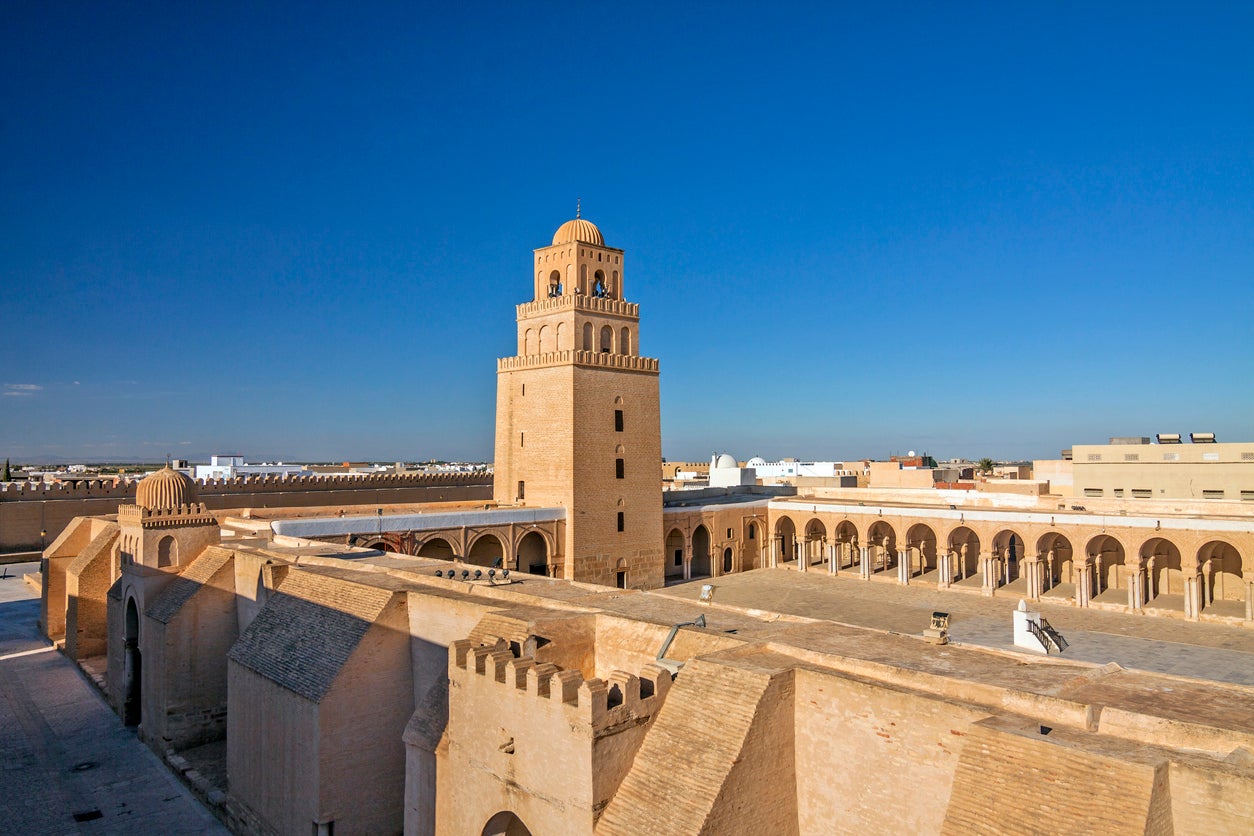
308	630
188	583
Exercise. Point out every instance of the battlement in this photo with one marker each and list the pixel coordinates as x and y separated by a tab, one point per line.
122	489
193	514
628	362
582	302
626	700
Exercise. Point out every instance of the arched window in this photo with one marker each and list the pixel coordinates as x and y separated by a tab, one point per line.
607	339
167	552
555	284
587	336
561	337
583	278
624	341
599	289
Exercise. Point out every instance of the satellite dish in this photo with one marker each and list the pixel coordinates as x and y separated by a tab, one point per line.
911	454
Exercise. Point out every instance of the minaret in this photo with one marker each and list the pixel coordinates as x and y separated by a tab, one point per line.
577	416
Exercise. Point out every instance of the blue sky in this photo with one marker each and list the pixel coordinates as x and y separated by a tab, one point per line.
299	230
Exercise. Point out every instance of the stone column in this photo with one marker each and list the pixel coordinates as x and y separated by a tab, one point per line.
903	566
1208	588
1136	583
688	558
832	559
1149	579
1249	600
776	546
988	573
1084	587
1193	595
864	562
945	567
1032	574
803	556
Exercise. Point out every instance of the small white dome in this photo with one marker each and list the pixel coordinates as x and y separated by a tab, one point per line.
725	460
756	461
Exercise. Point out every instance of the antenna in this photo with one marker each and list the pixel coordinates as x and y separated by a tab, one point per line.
578	207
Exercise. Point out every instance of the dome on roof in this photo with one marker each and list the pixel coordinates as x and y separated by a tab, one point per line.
578	230
165	489
725	460
756	461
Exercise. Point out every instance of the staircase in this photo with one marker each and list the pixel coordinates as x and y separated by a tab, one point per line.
1054	635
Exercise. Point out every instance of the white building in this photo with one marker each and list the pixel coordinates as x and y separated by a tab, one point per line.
229	467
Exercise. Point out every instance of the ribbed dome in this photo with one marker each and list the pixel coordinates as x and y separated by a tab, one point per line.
578	230
165	489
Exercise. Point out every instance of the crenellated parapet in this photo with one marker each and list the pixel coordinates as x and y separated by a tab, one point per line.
123	489
601	359
599	706
191	514
581	302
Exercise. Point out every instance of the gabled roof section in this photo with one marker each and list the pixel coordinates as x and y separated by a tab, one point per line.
102	543
306	633
180	590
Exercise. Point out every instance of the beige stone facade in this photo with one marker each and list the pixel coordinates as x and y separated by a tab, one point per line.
338	685
578	422
1213	471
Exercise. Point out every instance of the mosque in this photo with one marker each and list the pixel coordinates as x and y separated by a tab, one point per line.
518	668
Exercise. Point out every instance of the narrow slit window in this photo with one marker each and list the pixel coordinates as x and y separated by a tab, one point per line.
620	520
618	468
618	420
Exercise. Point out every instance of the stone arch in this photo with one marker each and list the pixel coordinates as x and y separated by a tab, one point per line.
964	543
727	561
675	554
607	340
505	823
1223	574
487	550
167	552
587	336
583	278
701	564
1055	551
624	340
786	536
882	541
921	545
532	553
1107	556
1164	573
562	337
437	548
132	666
546	339
599	287
1009	548
846	537
529	342
614	284
620	450
555	283
815	538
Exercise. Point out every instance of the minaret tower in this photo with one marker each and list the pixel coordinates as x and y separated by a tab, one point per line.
577	417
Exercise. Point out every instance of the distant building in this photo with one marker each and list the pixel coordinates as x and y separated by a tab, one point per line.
230	467
1136	469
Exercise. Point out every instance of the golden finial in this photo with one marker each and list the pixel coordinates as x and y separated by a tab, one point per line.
578	207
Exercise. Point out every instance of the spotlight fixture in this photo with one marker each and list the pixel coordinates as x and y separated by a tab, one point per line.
465	574
491	573
478	574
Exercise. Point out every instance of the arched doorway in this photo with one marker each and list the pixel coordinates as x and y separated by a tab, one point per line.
964	544
675	554
727	561
533	554
1110	581
701	552
846	544
505	823
1055	551
437	548
882	541
487	551
816	538
786	537
1223	578
1008	549
921	550
1164	576
132	675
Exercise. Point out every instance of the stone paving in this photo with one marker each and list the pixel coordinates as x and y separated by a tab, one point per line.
67	764
1217	652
